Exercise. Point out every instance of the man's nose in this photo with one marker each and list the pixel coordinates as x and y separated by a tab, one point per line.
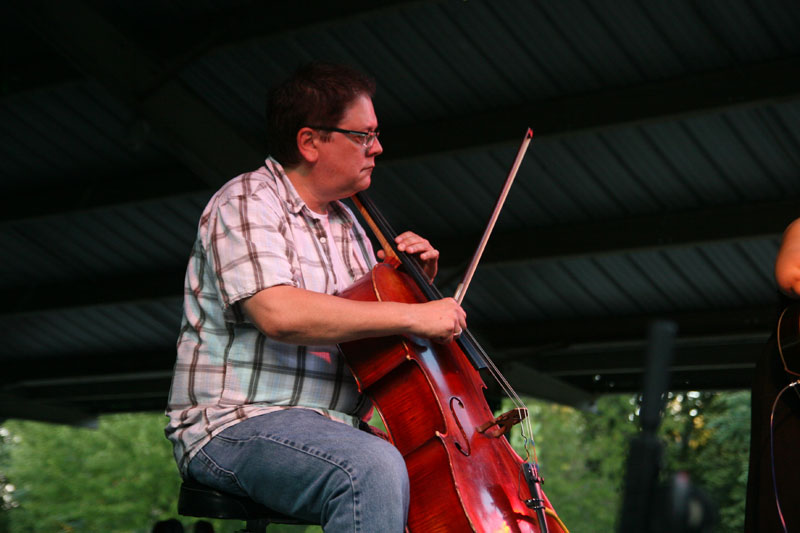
376	149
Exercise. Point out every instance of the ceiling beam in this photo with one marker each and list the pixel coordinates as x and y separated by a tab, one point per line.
79	368
121	386
692	355
716	224
179	119
723	379
195	131
97	292
689	228
77	195
43	411
195	36
744	85
528	381
599	238
715	363
555	335
607	354
243	25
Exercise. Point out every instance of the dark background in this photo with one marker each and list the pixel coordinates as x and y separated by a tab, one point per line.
663	169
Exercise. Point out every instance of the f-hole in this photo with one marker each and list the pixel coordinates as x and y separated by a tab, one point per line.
460	441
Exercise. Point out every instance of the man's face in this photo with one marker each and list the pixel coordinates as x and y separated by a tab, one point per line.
346	164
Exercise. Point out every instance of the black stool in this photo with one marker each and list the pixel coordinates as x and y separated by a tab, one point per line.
202	501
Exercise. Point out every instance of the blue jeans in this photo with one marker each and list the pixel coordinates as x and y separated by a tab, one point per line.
300	463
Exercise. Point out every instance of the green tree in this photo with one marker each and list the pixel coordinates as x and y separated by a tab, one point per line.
709	438
6	487
113	479
122	478
582	455
119	478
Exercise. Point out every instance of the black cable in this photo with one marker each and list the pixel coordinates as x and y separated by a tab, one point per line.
772	451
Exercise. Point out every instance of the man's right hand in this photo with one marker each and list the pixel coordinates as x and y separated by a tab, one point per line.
439	320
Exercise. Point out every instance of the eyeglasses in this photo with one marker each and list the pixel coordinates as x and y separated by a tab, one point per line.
365	138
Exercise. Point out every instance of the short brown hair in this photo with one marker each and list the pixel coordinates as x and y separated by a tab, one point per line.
316	94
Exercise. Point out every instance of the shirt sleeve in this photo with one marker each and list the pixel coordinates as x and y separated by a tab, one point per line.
250	248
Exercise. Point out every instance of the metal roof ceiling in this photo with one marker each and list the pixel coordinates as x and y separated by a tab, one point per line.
664	167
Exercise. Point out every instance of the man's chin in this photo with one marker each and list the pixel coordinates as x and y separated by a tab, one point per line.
365	182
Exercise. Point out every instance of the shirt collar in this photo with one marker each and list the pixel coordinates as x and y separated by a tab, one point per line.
336	210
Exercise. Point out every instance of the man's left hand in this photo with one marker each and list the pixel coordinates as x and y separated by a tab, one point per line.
411	243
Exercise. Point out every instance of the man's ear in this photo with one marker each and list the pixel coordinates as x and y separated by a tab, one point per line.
307	144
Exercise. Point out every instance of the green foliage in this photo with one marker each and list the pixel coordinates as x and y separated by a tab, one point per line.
70	479
122	478
709	435
582	455
6	488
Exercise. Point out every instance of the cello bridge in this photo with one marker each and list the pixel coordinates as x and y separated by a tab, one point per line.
502	424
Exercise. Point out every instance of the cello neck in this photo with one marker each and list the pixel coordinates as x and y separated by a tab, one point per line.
385	235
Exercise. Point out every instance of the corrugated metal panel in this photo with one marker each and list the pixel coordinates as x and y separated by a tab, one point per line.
718	275
669	166
548	49
130	327
101	242
433	61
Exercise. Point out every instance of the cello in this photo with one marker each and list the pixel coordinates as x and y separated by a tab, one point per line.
464	475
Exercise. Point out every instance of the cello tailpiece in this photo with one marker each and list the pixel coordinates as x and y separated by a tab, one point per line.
536	502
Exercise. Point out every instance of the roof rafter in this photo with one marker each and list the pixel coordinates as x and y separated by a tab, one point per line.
180	120
96	193
688	228
194	131
548	336
598	238
725	362
706	92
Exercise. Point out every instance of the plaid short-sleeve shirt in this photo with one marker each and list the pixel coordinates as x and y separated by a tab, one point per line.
255	233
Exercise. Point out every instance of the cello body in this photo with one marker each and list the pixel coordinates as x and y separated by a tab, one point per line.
430	398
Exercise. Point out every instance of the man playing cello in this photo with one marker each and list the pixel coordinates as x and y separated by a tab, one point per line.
261	402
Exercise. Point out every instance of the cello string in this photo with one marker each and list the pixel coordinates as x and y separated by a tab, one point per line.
385	235
382	229
462	289
527	427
